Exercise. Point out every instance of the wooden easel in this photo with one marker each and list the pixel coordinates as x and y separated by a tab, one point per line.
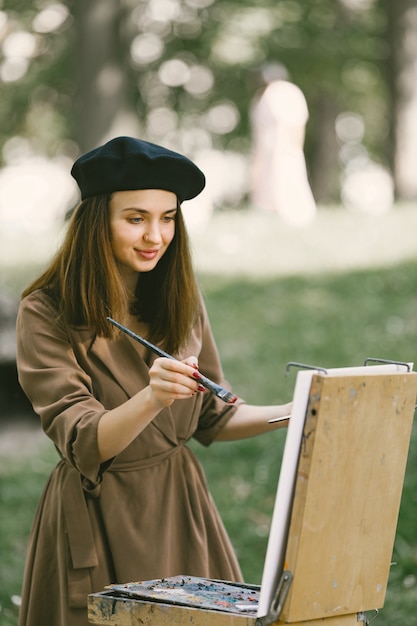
343	519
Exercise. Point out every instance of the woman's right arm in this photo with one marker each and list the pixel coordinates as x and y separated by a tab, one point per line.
86	433
169	380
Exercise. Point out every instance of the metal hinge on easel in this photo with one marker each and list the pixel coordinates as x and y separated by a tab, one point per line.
362	617
278	600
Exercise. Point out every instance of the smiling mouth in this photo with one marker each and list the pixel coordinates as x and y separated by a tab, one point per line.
148	254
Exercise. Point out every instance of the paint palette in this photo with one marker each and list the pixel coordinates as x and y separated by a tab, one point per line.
194	592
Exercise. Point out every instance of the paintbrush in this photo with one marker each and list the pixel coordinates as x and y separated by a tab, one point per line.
221	392
279	419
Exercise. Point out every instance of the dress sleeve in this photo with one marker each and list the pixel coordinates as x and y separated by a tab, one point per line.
60	391
214	412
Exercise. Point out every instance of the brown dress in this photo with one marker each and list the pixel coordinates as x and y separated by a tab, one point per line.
146	513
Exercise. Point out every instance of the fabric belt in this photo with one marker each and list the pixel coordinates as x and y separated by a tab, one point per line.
77	521
76	489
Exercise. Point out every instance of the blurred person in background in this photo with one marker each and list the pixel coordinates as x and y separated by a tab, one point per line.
279	175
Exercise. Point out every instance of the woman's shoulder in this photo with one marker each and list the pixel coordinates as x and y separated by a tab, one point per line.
37	300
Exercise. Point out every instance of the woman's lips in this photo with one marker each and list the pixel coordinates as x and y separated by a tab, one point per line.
147	254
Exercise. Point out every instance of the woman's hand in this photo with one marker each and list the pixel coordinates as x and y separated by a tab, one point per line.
171	380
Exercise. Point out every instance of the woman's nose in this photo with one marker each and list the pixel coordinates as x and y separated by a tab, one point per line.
153	234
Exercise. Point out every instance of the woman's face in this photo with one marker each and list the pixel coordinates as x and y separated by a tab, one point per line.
142	225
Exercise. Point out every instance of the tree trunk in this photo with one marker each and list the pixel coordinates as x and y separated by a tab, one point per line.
402	78
102	109
324	171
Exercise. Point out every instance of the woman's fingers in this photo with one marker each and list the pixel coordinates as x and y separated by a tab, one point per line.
172	380
193	361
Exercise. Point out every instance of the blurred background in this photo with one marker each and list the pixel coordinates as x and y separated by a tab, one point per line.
193	75
321	269
186	73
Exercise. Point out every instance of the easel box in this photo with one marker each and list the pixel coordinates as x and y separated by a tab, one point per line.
106	608
347	494
355	428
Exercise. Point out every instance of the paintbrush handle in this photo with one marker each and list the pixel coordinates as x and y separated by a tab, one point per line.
140	339
221	392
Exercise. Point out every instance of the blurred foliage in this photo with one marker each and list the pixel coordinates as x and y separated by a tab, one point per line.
333	320
335	51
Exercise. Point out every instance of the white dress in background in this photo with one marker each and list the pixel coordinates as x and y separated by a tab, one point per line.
279	177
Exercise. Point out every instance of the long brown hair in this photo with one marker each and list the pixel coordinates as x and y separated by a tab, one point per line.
85	282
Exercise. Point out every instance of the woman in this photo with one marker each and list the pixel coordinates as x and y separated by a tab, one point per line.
128	500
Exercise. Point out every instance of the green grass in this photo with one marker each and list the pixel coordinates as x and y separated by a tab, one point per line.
260	325
21	484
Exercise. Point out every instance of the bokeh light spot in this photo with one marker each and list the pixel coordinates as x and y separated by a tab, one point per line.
51	18
146	48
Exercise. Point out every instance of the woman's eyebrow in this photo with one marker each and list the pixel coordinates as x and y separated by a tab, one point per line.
145	211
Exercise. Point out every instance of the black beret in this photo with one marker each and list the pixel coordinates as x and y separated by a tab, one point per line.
126	163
